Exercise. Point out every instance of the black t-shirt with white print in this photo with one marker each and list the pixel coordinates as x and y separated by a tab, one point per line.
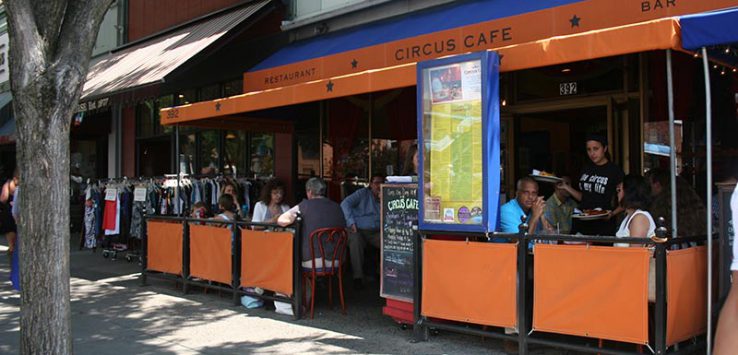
597	184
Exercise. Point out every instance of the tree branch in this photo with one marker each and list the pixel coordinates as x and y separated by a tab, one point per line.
79	30
49	16
29	50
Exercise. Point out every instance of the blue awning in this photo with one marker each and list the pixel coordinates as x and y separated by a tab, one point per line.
709	29
8	129
7	121
433	20
5	98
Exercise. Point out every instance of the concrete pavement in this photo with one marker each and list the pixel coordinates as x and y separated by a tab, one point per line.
112	314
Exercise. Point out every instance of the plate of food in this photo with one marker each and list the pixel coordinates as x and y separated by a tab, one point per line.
591	214
545	176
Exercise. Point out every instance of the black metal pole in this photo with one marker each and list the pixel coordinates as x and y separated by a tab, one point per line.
235	261
420	330
185	255
297	270
523	327
660	310
144	243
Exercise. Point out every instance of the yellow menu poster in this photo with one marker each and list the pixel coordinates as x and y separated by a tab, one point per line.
453	120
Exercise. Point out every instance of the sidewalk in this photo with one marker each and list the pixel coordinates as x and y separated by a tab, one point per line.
112	314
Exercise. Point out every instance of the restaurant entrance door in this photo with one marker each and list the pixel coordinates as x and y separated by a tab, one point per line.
554	140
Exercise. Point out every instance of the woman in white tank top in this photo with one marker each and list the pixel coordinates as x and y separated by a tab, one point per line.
634	195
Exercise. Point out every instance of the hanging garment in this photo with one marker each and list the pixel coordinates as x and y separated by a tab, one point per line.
137	219
89	219
110	215
115	212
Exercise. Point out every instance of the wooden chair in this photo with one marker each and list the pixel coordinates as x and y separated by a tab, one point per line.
327	262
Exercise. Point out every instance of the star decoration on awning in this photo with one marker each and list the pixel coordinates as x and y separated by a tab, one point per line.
575	21
329	86
354	64
217	106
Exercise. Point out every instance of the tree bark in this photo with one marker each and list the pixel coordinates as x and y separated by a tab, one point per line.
51	43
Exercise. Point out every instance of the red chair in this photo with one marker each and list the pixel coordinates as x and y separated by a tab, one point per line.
326	262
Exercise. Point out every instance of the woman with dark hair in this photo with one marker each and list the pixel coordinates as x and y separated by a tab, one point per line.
271	202
634	195
597	183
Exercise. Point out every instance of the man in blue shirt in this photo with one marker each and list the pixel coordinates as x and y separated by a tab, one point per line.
527	204
361	209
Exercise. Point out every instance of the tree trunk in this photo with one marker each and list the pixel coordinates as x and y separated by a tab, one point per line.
51	42
44	231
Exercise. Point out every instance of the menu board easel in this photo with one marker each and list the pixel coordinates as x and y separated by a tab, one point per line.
399	215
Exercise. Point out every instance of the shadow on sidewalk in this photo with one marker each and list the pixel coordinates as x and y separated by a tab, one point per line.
112	313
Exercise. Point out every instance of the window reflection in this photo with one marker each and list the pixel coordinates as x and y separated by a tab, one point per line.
262	155
209	152
235	153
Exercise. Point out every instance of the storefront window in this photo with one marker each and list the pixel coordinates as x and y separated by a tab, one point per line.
83	158
211	92
164	102
394	130
571	79
187	149
234	157
209	152
234	87
187	97
146	119
348	135
385	158
262	155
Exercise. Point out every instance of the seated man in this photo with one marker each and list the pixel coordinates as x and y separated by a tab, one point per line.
317	212
559	208
361	209
526	204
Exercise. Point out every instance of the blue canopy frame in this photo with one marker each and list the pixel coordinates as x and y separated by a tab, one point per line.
714	35
709	29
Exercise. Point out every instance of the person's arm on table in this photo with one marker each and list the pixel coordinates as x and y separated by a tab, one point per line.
287	218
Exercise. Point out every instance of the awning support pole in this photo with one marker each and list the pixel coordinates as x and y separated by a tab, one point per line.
672	146
708	145
179	168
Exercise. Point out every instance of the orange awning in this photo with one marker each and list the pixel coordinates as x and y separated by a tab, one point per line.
652	35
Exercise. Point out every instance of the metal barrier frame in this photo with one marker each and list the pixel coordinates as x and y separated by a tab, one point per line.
525	336
235	286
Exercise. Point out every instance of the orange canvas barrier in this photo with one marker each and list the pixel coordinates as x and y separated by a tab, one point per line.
470	282
164	247
686	282
210	253
599	292
267	260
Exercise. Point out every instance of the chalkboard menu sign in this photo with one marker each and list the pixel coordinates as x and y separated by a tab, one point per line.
399	215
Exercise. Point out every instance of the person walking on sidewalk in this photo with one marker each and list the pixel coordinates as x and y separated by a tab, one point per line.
361	209
7	223
15	258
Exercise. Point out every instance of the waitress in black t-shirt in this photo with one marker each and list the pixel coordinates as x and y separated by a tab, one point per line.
597	184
